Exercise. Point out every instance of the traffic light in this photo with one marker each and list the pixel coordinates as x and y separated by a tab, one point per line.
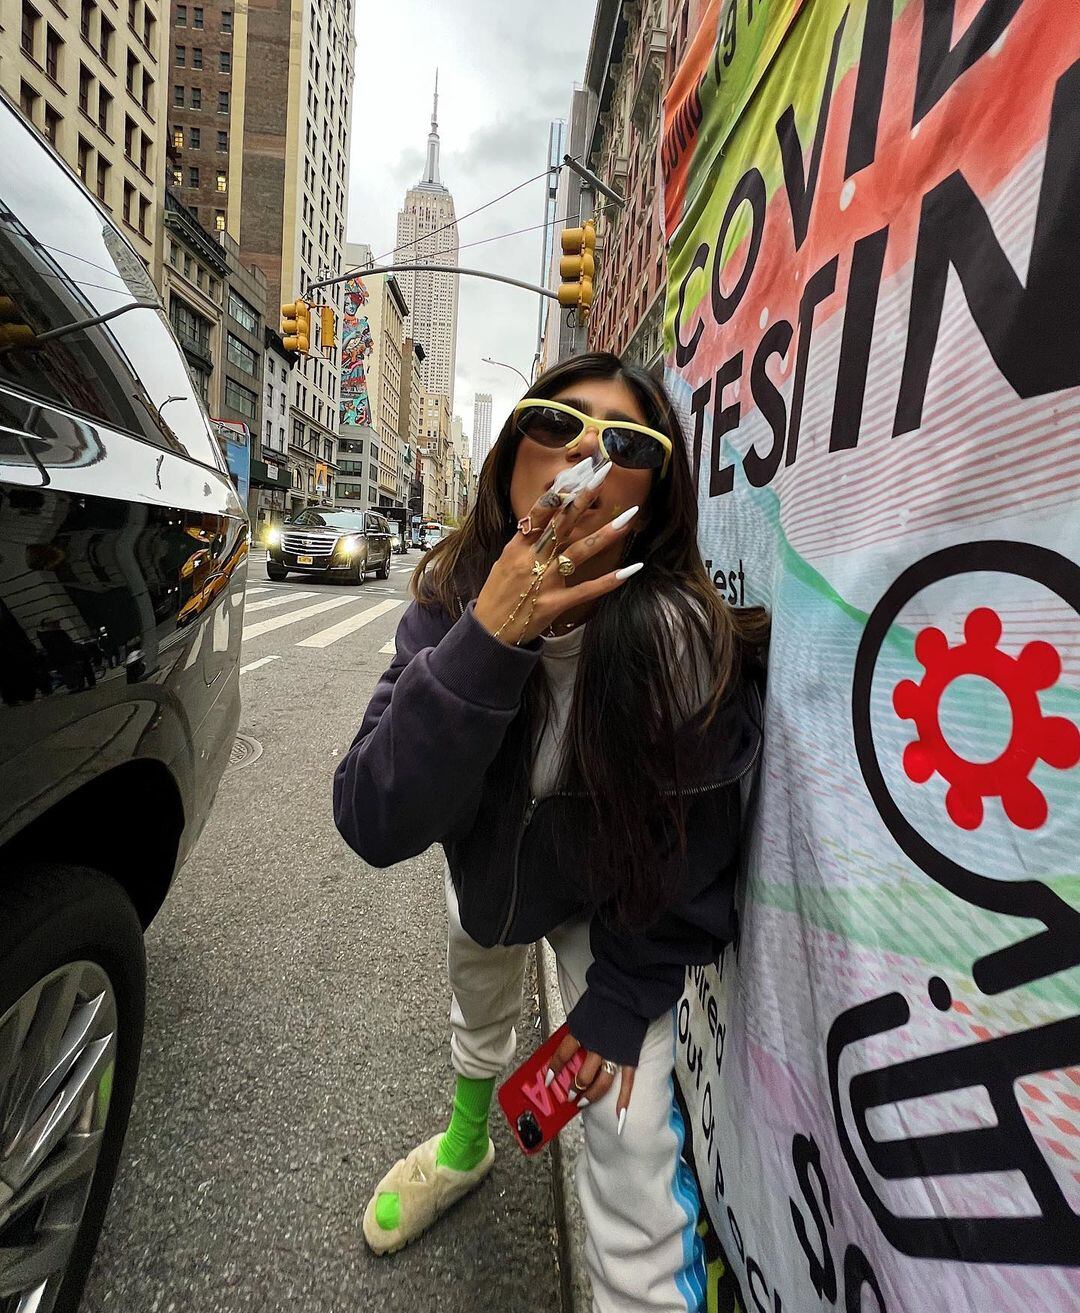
296	326
327	321
577	266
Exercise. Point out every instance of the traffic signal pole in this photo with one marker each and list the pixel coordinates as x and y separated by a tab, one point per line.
429	268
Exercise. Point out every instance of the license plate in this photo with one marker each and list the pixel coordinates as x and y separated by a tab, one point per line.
305	560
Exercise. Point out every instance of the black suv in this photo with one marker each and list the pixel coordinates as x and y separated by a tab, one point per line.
122	552
346	543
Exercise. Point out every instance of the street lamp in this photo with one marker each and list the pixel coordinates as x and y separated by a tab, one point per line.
488	361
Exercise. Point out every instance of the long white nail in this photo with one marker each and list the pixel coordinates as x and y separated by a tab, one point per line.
583	1103
599	477
625	573
548	1078
622	1120
620	521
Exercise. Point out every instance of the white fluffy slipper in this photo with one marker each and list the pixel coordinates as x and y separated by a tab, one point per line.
425	1190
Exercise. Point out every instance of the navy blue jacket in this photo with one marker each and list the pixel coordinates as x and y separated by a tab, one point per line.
429	766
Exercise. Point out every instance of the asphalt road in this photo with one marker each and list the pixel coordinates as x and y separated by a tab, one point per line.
296	1038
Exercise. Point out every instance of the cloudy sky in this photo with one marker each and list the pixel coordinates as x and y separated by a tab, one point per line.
505	71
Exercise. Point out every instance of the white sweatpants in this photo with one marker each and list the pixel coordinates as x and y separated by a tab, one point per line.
638	1197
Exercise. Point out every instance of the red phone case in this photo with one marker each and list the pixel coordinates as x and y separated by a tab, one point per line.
524	1095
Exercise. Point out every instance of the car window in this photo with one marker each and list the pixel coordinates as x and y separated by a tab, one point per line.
372	524
61	261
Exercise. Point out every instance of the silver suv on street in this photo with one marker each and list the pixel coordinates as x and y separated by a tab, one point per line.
348	543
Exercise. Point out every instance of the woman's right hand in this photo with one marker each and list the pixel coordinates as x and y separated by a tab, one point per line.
515	572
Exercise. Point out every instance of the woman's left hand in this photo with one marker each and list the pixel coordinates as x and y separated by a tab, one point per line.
595	1077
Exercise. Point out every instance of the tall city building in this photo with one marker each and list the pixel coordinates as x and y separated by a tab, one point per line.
94	83
481	427
427	232
259	124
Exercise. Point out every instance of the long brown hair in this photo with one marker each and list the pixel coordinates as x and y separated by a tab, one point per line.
648	649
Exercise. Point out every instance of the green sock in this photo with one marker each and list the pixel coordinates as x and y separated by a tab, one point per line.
463	1143
466	1138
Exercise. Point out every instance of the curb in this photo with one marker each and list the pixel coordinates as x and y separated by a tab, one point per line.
569	1223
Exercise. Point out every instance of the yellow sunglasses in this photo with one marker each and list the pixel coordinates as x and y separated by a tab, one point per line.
554	424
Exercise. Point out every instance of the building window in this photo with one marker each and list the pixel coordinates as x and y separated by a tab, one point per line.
131	66
178	138
194	138
178	181
193	176
180	15
30	20
222	181
144	215
223	102
105	46
129	138
52	54
84	160
133	7
226	20
52	123
28	99
104	104
196	98
181	56
191	328
224	61
129	202
197	16
86	18
84	88
240	354
144	156
223	139
147	91
102	178
219	221
196	56
148	30
240	399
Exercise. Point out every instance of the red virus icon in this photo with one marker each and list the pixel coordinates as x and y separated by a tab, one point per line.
1052	739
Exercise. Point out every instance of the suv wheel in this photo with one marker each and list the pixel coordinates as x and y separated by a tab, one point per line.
384	569
276	572
357	573
72	1002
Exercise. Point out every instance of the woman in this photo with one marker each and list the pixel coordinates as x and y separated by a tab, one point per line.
569	715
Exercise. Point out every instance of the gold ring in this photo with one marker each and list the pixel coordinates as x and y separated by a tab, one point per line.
539	569
566	566
525	526
609	1067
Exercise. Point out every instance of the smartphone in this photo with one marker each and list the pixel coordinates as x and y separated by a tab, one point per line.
536	1112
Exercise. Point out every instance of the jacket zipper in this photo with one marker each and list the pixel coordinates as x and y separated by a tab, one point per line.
526	821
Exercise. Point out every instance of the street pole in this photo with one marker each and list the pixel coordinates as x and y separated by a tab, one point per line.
488	361
428	268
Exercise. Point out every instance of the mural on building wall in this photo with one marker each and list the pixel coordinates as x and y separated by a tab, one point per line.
356	346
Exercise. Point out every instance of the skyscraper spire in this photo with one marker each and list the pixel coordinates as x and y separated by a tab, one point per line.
431	172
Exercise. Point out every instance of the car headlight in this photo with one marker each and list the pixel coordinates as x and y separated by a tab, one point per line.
350	546
273	537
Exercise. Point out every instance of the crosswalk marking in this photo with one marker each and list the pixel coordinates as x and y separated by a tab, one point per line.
293	617
348	626
279	600
388	649
254	665
252	591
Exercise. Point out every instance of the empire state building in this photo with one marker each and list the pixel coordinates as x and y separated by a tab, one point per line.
427	231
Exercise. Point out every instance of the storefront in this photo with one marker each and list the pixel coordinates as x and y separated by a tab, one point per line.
268	503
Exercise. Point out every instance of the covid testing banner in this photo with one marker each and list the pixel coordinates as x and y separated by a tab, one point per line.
873	325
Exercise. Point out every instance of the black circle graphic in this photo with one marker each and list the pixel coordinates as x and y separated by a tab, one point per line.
940	993
1025	898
